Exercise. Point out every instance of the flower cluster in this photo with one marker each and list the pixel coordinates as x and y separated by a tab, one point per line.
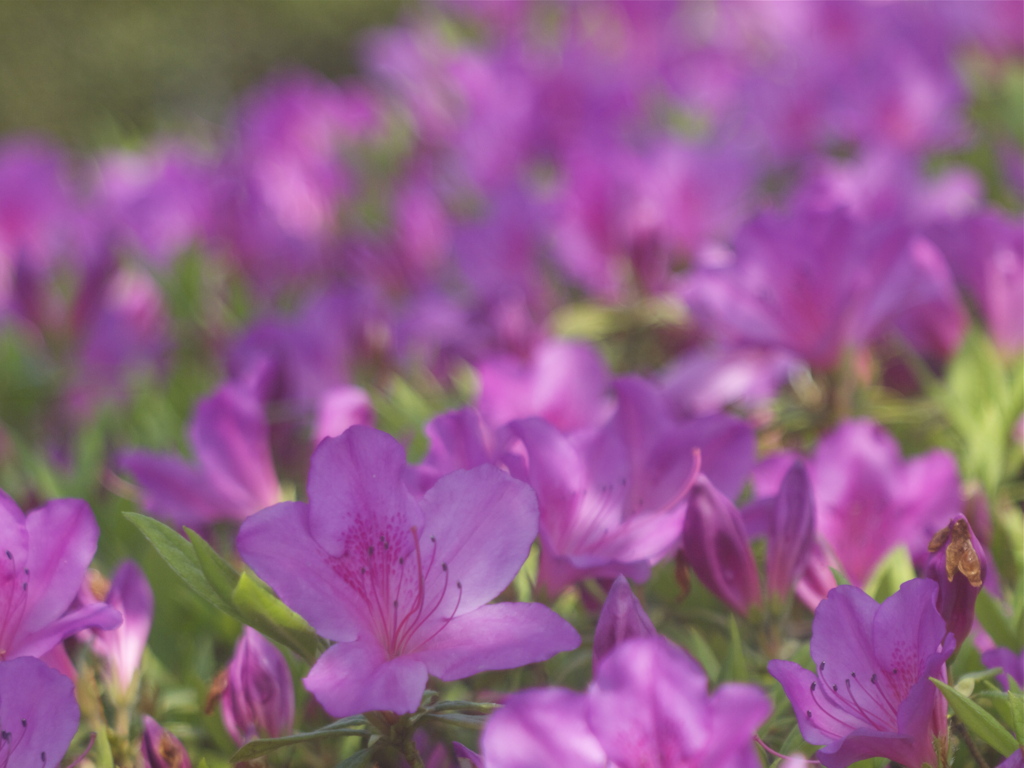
612	385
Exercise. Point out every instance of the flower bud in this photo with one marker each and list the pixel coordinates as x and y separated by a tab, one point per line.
622	617
160	748
791	532
715	543
130	594
258	697
958	564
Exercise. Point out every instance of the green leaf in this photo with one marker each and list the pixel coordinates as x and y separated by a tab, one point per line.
360	759
349	726
694	642
262	610
839	576
992	617
218	572
1017	716
465	707
896	568
100	753
178	553
977	720
736	660
459	719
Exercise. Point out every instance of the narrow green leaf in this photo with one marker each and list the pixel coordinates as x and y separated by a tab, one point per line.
465	707
349	726
178	553
100	754
991	616
457	718
694	642
360	759
977	720
1017	716
262	610
218	572
736	660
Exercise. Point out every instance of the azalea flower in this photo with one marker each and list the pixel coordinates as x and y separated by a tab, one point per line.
869	499
870	694
129	593
612	500
43	559
258	698
648	707
234	476
401	584
38	714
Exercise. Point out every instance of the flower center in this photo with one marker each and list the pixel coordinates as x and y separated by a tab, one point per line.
13	599
403	583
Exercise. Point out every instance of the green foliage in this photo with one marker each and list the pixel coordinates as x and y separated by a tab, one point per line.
978	721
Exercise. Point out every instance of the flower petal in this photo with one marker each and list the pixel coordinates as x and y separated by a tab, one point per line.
649	700
62	541
542	728
841	635
356	481
95	616
39	708
277	544
498	636
357	676
484	522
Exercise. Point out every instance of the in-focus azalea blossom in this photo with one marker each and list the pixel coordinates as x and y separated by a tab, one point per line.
258	698
235	474
648	707
38	714
869	694
43	559
402	584
122	647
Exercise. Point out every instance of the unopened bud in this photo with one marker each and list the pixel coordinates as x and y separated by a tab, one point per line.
715	543
258	698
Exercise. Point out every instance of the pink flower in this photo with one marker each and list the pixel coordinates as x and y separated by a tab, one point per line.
402	585
43	561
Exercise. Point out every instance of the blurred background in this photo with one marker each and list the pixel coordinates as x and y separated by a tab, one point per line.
91	74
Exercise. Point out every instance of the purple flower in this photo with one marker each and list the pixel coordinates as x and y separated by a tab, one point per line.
622	617
542	728
611	500
235	475
819	283
791	532
122	647
869	695
258	697
42	564
161	748
1012	663
562	382
38	714
869	498
401	584
648	707
715	545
